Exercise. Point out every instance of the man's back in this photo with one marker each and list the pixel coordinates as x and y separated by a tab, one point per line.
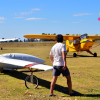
56	51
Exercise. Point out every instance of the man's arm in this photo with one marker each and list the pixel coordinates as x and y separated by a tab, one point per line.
51	58
64	58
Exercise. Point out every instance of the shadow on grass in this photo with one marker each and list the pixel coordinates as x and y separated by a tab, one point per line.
86	56
46	84
71	56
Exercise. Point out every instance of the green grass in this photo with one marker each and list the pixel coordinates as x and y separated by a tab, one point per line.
84	69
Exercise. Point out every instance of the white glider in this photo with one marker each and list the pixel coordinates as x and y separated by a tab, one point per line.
19	61
5	40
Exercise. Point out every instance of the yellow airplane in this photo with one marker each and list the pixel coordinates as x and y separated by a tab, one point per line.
80	42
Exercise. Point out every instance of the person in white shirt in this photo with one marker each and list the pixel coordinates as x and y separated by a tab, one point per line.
58	59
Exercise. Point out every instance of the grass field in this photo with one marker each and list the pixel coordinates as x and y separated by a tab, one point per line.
85	74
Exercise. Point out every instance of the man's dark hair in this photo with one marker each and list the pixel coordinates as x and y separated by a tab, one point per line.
59	38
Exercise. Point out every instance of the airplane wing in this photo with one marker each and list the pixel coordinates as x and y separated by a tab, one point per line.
94	36
17	64
40	66
3	40
65	37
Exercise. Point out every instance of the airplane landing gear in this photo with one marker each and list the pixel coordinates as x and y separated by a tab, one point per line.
74	54
31	81
1	48
95	54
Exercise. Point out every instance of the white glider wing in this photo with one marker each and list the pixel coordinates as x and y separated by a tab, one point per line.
42	66
3	40
17	64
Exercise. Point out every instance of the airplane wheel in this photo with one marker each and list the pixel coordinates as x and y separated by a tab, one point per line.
1	48
95	54
31	82
74	54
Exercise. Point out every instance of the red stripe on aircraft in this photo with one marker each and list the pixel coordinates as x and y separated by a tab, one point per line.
31	65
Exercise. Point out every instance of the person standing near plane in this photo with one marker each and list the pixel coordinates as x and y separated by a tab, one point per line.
58	59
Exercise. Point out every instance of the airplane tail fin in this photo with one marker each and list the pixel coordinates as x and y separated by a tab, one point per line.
67	42
72	44
69	47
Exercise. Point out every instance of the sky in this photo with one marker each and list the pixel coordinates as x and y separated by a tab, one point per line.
22	17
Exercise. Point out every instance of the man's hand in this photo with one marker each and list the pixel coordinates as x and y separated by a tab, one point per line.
64	68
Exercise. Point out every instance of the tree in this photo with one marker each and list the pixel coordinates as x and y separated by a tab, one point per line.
54	34
44	34
85	34
48	33
24	40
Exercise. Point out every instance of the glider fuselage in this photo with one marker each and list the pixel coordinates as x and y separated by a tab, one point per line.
8	60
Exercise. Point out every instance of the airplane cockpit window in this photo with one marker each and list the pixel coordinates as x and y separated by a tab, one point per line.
80	38
83	37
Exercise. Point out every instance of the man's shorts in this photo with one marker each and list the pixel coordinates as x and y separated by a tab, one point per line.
57	70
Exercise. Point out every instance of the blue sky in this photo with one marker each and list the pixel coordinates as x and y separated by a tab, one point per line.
22	17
